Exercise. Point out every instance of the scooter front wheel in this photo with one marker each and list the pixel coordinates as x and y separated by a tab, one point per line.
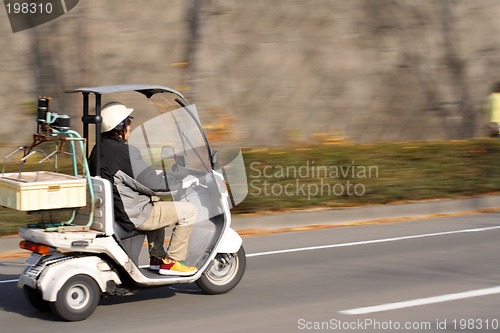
225	273
77	299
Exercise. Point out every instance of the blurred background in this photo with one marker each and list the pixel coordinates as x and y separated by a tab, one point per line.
394	84
285	72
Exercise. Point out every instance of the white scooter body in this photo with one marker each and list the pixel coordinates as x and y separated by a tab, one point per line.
54	270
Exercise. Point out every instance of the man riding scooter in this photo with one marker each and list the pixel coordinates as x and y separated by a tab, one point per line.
134	204
95	252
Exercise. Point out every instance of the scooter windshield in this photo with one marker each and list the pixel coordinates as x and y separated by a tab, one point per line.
169	153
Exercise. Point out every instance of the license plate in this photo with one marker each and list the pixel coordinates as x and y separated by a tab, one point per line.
33	259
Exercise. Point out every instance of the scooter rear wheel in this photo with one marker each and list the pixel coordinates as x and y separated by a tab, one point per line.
77	299
34	297
225	273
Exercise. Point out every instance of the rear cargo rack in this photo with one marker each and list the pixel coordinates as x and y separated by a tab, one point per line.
46	192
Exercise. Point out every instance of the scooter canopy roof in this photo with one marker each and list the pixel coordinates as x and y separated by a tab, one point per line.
147	90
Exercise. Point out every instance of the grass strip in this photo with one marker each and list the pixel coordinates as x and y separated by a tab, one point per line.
348	175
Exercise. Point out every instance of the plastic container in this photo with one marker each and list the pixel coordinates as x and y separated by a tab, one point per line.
30	191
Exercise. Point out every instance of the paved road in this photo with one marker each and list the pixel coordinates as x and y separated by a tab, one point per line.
312	280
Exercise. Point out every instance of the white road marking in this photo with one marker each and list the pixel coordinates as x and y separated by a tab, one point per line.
375	241
422	301
9	281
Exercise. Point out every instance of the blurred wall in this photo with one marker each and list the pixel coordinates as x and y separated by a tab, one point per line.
270	73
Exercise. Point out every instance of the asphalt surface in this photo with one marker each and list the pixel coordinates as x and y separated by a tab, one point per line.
427	275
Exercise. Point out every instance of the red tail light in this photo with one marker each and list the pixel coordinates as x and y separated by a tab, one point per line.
35	247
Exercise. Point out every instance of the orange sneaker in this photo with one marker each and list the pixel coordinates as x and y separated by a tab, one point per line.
176	268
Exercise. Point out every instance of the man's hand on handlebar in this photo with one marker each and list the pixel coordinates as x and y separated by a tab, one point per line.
190	181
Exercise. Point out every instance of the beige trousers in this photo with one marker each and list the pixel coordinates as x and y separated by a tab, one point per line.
165	214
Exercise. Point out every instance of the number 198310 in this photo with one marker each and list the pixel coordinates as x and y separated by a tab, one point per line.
28	8
475	324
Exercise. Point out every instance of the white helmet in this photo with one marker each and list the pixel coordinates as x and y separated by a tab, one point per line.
113	114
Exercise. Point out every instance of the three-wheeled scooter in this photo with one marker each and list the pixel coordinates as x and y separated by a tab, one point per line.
89	255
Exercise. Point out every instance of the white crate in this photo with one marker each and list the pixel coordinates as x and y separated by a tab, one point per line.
29	191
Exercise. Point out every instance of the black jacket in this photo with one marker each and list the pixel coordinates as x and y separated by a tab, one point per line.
118	158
